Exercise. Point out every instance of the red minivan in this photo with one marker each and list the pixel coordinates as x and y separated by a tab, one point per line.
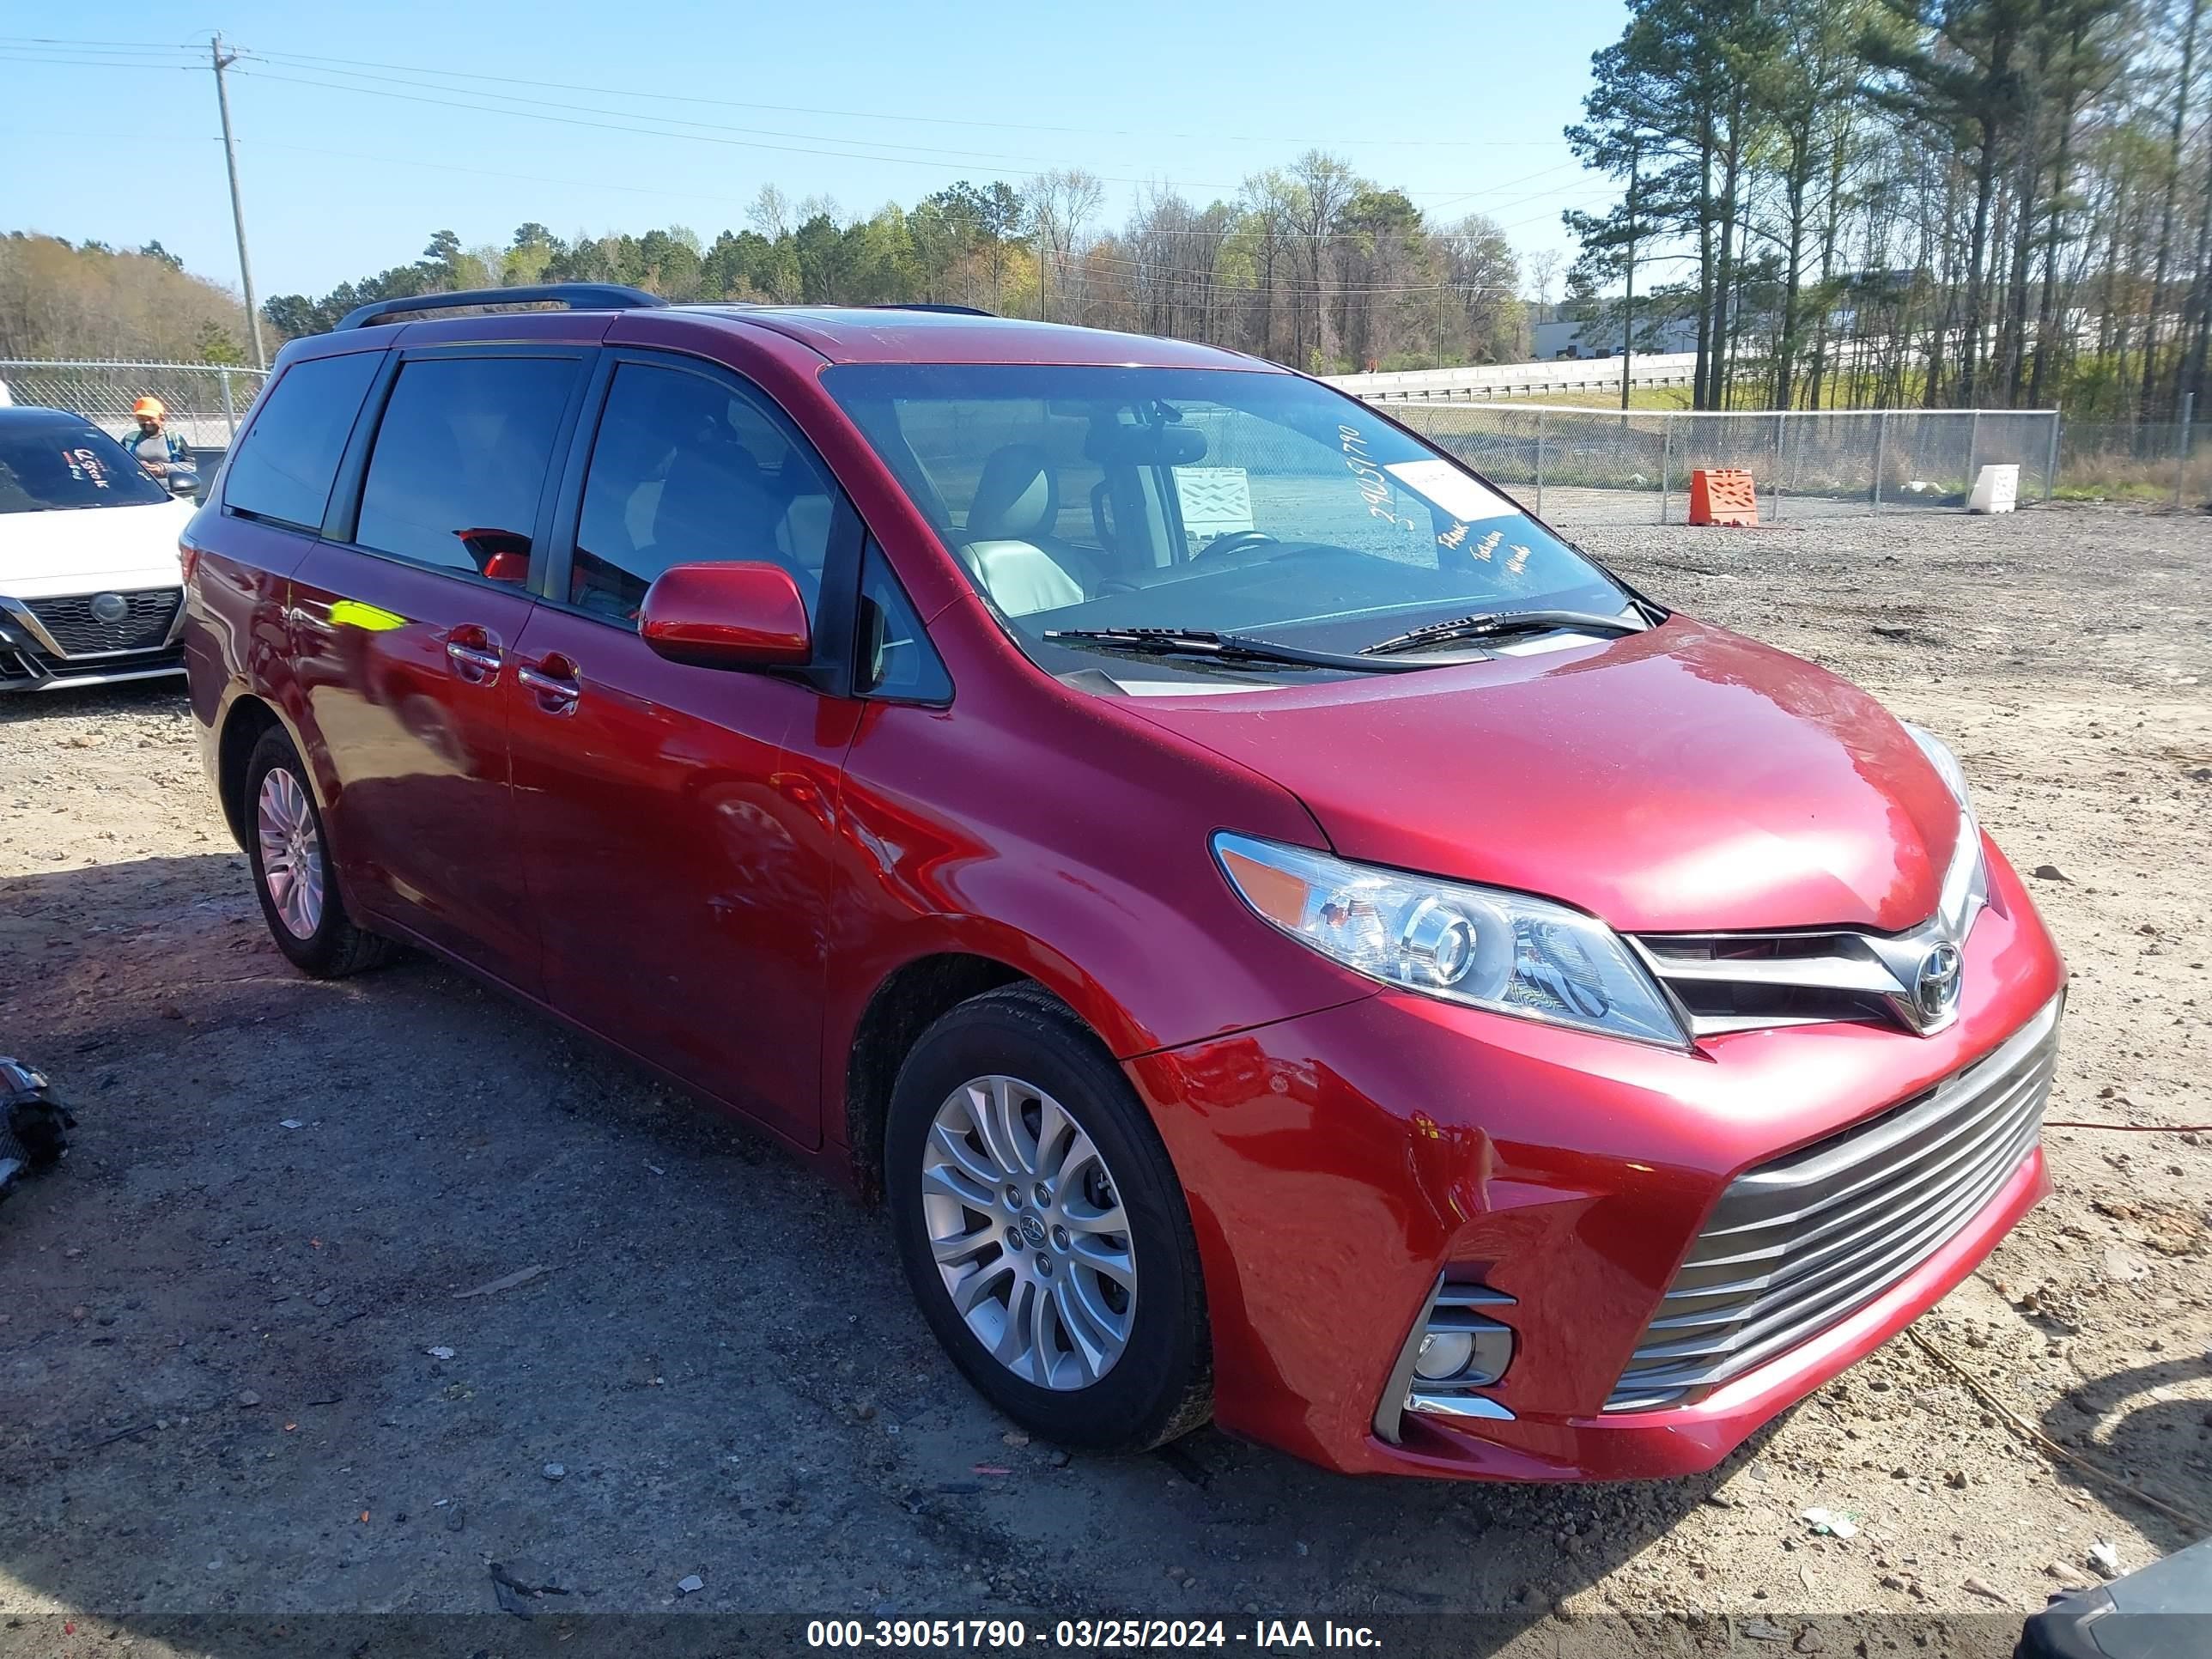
1288	937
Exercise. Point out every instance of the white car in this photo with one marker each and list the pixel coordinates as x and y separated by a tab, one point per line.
90	588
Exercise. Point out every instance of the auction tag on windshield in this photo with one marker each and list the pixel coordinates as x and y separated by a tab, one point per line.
1451	489
1215	499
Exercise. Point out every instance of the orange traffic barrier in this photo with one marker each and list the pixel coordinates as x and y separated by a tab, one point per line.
1723	495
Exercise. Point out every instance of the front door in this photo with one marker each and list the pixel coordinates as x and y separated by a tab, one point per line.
403	634
676	821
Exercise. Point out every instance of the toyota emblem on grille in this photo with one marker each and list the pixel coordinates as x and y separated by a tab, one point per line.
1936	984
110	607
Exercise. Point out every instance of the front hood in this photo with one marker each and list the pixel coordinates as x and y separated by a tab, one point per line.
92	547
1682	779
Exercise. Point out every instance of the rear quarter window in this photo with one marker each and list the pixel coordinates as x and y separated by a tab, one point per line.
289	458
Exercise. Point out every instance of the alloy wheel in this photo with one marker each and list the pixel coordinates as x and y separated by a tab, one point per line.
291	853
1026	1227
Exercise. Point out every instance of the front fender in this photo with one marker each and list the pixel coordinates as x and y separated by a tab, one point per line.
1079	859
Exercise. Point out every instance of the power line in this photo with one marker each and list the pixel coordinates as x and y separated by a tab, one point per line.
325	64
416	90
641	131
192	46
11	55
1224	283
680	121
31	42
1107	261
486	173
628	122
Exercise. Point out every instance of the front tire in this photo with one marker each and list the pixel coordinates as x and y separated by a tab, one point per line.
1042	1229
293	875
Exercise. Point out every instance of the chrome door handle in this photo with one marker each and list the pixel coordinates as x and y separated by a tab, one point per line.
478	665
555	695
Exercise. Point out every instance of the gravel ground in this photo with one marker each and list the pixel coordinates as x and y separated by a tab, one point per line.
238	1375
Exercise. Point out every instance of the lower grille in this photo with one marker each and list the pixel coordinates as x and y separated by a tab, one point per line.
1800	1244
142	626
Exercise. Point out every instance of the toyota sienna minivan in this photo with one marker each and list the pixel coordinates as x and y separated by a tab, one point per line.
1288	937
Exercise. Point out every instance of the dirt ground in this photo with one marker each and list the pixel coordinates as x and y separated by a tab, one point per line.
238	1377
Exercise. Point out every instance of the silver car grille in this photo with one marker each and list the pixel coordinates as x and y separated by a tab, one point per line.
1749	981
142	621
1800	1244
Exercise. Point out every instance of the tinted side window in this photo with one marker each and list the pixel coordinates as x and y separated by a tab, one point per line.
289	458
895	657
460	460
685	470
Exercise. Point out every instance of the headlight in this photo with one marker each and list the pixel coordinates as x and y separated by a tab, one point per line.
1966	883
1489	949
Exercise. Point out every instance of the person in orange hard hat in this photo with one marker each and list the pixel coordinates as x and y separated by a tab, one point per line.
155	446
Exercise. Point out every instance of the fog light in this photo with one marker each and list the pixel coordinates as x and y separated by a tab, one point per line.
1444	1353
1457	1350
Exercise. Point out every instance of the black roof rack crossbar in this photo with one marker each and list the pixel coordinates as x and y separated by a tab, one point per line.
577	296
930	305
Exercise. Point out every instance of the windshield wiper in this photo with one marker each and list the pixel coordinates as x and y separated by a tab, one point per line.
1219	647
1496	624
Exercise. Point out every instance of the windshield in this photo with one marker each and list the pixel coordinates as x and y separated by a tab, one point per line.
49	465
1262	505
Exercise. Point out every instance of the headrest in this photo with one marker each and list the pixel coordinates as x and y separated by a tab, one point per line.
1018	498
713	506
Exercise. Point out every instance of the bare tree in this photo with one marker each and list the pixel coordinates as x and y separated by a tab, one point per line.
1061	204
770	213
1325	185
1542	267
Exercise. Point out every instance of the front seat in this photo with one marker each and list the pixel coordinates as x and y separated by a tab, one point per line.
1010	544
715	504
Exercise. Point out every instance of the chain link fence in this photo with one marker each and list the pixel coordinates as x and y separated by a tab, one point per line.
2149	460
1602	466
1577	465
206	402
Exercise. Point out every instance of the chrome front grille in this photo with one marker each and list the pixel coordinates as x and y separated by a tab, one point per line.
71	624
1800	1244
1745	982
1748	981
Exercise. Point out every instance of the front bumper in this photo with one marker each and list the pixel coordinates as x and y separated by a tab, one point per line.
34	656
1337	1164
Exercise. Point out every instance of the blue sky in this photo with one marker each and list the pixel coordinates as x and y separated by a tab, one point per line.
362	129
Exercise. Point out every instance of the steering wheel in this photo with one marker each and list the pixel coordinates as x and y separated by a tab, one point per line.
1232	540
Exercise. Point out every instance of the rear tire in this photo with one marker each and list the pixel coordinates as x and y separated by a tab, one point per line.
1079	1313
293	875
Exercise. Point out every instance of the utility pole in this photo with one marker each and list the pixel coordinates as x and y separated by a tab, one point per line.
1628	298
237	209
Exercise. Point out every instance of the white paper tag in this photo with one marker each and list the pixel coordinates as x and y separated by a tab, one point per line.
1451	489
1215	499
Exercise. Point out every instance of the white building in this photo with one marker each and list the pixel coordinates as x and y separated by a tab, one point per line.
1567	339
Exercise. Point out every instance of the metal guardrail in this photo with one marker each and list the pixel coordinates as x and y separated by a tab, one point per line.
1483	381
206	401
1599	467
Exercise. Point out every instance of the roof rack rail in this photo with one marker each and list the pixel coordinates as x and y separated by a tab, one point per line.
577	296
930	304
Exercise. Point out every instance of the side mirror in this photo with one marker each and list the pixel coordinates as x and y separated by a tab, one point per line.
182	480
727	615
